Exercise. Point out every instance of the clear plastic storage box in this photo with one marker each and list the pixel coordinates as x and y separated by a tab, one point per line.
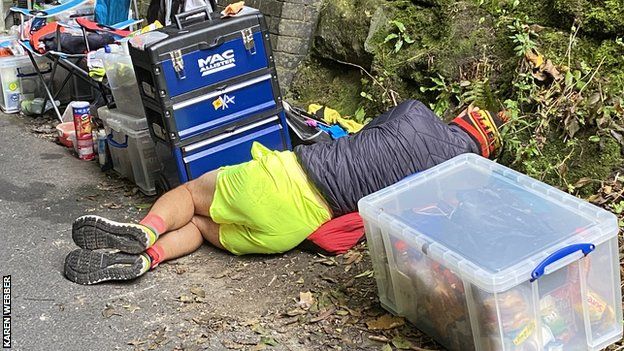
9	81
481	257
132	149
123	83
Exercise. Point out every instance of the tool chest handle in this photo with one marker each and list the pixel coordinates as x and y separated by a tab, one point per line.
181	18
559	254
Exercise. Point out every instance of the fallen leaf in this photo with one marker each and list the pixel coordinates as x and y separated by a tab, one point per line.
306	300
185	298
295	312
323	315
229	344
329	279
198	292
258	329
368	273
582	182
607	189
109	312
385	322
386	347
136	342
550	68
535	58
379	338
221	274
131	308
402	343
342	312
202	339
267	340
300	281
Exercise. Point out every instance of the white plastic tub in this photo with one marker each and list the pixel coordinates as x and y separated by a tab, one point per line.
9	81
132	149
481	257
123	83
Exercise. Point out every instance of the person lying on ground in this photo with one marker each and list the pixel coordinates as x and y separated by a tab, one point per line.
273	202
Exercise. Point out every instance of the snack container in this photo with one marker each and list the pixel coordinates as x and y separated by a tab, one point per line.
481	257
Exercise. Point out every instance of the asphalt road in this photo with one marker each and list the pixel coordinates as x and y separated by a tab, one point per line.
42	188
208	300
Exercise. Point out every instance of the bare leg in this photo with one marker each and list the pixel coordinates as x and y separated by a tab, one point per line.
180	242
178	206
209	230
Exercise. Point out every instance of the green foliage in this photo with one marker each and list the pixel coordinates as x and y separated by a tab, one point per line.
445	94
522	36
400	37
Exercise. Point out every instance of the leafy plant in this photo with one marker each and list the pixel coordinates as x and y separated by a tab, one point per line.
446	92
522	36
400	37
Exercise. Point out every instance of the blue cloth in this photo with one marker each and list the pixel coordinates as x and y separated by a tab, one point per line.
334	131
109	12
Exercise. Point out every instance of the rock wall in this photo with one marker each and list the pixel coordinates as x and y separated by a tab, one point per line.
291	24
367	54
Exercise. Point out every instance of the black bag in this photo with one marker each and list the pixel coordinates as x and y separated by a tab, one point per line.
300	132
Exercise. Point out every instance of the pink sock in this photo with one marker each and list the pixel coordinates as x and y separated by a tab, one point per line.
155	223
156	254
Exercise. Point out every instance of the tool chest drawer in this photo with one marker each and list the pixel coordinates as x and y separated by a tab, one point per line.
233	147
225	105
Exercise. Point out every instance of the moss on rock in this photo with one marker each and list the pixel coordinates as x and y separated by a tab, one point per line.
343	28
561	164
329	84
598	18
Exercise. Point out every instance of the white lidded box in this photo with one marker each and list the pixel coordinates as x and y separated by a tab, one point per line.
10	83
481	257
133	152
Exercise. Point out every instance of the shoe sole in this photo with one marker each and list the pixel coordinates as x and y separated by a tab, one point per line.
91	267
95	232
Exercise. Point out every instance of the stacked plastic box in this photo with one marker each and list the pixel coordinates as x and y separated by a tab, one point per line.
131	148
9	81
481	257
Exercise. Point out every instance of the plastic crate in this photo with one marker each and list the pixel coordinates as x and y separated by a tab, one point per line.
123	83
132	149
481	257
30	83
9	82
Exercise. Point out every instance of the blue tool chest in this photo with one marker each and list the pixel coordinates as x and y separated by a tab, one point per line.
209	88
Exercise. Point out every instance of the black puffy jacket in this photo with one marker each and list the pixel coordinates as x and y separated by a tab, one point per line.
407	139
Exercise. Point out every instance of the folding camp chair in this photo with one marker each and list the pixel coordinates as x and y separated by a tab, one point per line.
69	62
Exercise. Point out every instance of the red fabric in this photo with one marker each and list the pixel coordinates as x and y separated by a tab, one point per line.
155	223
156	254
96	27
35	38
340	234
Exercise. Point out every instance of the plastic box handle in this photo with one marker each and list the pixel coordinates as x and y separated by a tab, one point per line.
559	254
113	143
34	74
